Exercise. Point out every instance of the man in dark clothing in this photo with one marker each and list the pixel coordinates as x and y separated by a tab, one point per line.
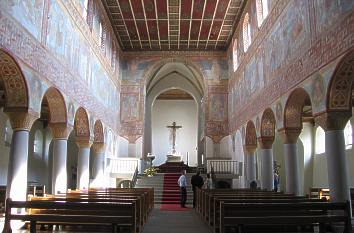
197	182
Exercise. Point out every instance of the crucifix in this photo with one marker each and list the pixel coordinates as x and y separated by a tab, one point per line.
174	128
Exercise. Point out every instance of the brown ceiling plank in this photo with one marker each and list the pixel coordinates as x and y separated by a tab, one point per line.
198	9
186	6
150	9
214	33
184	29
163	29
161	9
195	29
142	30
125	8
152	24
204	32
138	9
221	9
133	34
209	9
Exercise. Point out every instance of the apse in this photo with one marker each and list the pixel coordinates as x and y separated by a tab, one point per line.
174	105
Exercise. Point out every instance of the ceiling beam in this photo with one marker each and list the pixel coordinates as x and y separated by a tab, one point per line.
126	29
136	26
146	24
201	21
222	24
212	23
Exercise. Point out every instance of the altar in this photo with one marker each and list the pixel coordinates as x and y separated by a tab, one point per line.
174	158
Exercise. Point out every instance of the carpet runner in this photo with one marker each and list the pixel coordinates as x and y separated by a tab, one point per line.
171	194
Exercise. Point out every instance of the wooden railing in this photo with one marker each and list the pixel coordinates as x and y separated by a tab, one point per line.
232	167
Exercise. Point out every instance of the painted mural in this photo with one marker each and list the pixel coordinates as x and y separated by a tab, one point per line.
214	69
130	107
217	108
328	11
64	44
28	13
289	32
37	88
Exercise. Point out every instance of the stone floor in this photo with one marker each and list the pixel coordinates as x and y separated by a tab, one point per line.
175	222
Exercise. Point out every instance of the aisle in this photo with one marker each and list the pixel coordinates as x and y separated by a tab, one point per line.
175	222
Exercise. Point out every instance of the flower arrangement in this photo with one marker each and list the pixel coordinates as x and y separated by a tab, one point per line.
151	171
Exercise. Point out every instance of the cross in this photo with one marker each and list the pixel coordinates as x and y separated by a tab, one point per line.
174	128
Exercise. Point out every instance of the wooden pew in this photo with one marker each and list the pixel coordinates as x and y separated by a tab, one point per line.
239	215
115	214
2	198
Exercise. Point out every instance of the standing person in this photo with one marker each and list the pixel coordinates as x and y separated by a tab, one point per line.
182	183
197	182
208	184
276	182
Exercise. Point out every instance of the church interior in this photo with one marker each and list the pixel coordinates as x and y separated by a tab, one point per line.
105	103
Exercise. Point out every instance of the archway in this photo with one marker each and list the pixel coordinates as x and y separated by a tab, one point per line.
250	147
297	111
173	75
174	105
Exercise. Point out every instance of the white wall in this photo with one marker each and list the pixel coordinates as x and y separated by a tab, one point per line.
123	147
184	113
226	147
4	149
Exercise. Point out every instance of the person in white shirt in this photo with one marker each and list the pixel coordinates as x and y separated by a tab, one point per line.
182	183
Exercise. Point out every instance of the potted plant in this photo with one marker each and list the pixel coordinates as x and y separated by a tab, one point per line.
151	171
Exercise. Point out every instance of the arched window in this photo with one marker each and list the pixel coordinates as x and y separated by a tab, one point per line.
38	143
262	11
348	136
85	10
8	133
246	33
320	141
234	55
100	35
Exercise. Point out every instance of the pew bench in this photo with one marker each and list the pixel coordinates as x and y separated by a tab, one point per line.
237	215
76	213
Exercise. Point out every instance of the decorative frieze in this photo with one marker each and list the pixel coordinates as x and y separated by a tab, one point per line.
21	120
333	120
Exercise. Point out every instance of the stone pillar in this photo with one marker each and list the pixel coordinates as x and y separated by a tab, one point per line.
21	123
267	171
251	174
337	165
292	170
60	133
132	150
98	164
83	164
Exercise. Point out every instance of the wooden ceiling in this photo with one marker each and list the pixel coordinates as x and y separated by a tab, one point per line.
174	24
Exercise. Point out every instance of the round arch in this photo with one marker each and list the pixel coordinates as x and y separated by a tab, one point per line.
56	105
81	124
98	132
340	88
293	110
268	124
14	83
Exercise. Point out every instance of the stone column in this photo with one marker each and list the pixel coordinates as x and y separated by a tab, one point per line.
337	164
83	162
251	164
21	123
60	133
292	170
267	171
98	164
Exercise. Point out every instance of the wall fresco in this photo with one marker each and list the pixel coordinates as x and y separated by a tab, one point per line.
28	13
328	11
37	89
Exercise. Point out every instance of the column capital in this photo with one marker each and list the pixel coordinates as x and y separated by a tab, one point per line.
266	142
333	120
83	142
60	130
250	149
21	120
289	136
98	147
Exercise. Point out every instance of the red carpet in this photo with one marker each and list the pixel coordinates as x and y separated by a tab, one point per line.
171	193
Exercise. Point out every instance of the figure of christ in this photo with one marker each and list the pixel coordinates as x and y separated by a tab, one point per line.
174	128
